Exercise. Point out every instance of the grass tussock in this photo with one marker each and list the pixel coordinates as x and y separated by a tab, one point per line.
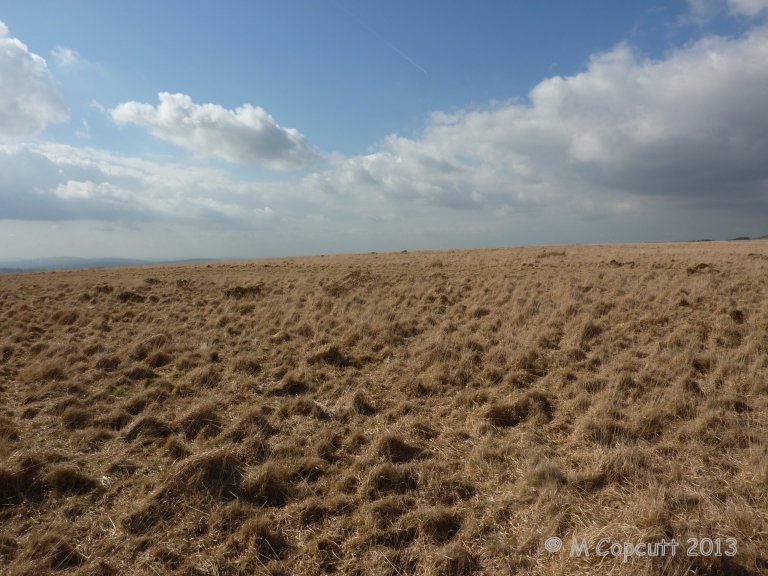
268	485
202	421
406	413
68	479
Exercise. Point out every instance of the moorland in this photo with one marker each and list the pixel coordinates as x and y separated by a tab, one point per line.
403	413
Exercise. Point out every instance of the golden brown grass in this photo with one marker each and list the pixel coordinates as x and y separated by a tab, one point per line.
435	413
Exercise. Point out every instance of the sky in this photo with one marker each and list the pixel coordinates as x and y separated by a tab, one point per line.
165	130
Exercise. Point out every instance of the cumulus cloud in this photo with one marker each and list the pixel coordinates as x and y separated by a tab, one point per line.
29	100
705	10
690	127
247	134
641	143
750	8
52	182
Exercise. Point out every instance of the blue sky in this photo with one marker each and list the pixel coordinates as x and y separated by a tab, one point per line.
254	129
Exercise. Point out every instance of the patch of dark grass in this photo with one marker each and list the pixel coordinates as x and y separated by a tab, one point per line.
389	479
67	479
394	449
534	406
202	421
268	485
148	427
262	538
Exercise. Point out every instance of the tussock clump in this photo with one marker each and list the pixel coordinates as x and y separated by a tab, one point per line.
303	407
148	427
268	485
532	363
8	430
480	312
533	406
292	384
737	316
65	317
332	356
202	421
607	432
254	449
227	518
139	372
628	465
361	405
327	446
188	362
252	423
328	552
249	365
389	479
436	525
447	487
217	472
240	292
6	351
547	474
20	480
68	479
47	371
176	449
315	510
76	418
140	402
205	377
700	267
588	332
306	469
108	363
702	364
122	468
261	537
52	551
148	515
158	359
454	560
129	296
394	449
399	537
8	548
731	402
388	510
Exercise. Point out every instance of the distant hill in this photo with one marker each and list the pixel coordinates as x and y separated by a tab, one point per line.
73	263
741	238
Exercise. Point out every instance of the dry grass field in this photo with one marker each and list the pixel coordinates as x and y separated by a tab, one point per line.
418	413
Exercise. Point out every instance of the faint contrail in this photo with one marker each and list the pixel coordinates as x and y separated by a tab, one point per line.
389	44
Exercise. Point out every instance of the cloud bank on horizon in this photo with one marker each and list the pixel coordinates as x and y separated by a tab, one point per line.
627	137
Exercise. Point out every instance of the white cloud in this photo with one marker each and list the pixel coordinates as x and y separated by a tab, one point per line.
650	146
690	127
750	8
58	182
29	100
704	10
245	135
65	56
